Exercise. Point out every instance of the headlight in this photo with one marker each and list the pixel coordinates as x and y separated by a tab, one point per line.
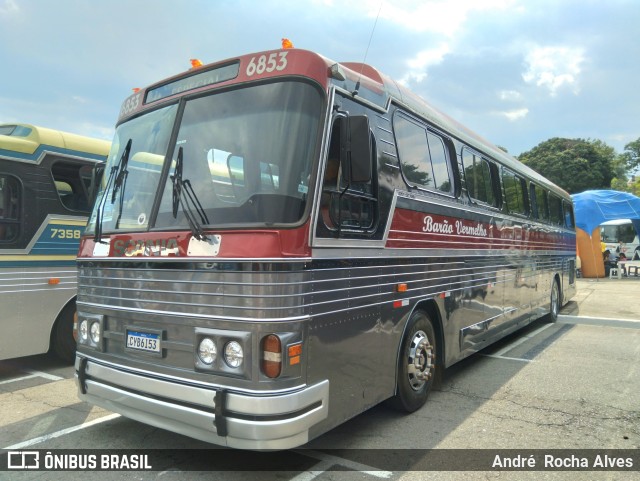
233	354
84	330
95	332
207	351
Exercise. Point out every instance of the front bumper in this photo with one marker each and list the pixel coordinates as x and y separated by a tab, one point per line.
240	420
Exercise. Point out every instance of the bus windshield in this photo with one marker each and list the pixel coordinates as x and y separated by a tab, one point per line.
246	158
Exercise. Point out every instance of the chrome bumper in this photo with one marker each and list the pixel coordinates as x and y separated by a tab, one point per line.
216	416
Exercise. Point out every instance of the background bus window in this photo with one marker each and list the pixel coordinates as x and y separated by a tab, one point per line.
9	208
72	181
477	173
514	194
423	156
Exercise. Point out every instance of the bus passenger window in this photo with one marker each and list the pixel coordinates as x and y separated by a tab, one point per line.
567	208
9	208
514	194
477	173
555	210
70	182
539	200
423	156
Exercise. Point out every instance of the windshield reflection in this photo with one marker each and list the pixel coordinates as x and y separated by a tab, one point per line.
247	158
248	154
131	208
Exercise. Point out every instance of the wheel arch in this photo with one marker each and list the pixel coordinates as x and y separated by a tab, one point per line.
430	307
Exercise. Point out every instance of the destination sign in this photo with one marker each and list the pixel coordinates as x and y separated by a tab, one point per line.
198	79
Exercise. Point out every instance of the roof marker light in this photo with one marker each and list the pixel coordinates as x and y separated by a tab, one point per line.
286	43
195	63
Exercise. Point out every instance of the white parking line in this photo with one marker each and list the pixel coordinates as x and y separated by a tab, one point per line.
327	461
16	379
523	339
62	432
508	358
45	375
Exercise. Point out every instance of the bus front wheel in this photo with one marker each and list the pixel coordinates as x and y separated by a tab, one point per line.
62	341
417	364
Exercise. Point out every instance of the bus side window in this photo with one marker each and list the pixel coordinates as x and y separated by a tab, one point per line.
477	173
555	210
567	208
514	193
70	182
9	208
423	156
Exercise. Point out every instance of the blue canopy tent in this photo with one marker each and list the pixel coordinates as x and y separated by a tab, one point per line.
593	207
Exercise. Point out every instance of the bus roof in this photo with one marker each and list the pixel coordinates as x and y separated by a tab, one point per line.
371	85
28	142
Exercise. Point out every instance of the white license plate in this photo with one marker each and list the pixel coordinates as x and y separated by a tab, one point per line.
143	341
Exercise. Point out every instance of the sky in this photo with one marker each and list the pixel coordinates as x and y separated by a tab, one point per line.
517	72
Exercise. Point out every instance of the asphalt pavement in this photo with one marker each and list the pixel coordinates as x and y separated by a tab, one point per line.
604	299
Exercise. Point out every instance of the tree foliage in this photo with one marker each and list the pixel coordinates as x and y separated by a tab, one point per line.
631	154
574	164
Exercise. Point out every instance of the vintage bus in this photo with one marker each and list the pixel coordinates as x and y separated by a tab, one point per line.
45	179
283	241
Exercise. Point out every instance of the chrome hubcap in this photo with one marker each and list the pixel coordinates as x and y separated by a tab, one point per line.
420	362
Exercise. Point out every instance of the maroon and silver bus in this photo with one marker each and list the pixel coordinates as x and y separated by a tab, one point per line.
283	241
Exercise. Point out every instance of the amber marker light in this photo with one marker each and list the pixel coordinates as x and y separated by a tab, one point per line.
195	63
53	281
286	43
75	326
294	352
401	288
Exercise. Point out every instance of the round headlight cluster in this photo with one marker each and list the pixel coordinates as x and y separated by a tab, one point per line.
207	351
89	332
84	330
95	332
233	354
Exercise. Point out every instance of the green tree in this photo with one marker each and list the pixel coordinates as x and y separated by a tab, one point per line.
574	164
632	154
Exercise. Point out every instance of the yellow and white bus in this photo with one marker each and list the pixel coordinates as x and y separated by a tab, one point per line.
45	198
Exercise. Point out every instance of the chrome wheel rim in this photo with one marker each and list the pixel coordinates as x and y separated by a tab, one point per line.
420	361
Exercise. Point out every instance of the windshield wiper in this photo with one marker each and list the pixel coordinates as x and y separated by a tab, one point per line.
184	195
120	179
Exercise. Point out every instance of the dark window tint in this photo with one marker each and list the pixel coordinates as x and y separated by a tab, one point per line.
514	194
555	210
477	173
423	156
9	208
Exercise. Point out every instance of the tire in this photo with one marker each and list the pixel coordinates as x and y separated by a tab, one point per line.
62	341
417	369
554	308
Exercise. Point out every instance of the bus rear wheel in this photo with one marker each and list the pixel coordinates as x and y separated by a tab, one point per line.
554	309
62	340
417	364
